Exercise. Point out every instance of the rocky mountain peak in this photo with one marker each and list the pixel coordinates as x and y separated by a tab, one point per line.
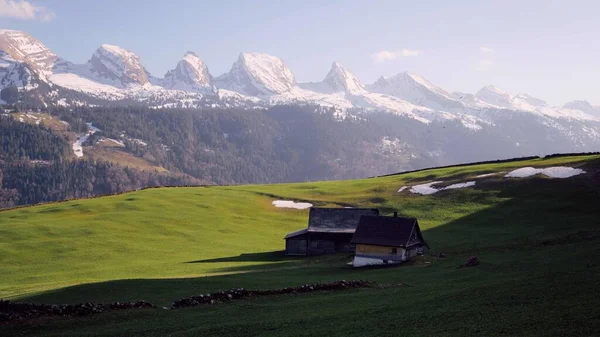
118	65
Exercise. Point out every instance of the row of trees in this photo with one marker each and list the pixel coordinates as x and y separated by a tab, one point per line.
25	183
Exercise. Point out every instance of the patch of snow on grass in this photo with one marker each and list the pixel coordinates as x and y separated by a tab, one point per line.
291	204
552	172
425	189
523	172
118	142
561	172
459	185
485	175
402	188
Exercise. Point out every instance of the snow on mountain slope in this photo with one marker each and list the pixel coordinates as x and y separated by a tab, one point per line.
190	74
117	66
584	106
86	85
530	100
257	74
471	100
495	96
340	79
502	99
26	49
417	90
342	88
527	103
366	101
114	73
255	80
13	72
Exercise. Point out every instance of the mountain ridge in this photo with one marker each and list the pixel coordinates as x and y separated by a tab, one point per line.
115	76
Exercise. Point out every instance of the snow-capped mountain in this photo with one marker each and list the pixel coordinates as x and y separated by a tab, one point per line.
343	88
495	97
417	90
532	101
584	106
190	74
442	124
13	72
499	98
255	80
523	103
256	74
26	49
340	79
117	66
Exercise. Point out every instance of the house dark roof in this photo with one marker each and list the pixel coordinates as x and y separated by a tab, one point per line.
296	233
386	231
334	220
337	220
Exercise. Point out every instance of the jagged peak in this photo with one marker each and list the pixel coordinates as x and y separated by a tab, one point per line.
22	47
341	79
258	73
578	104
492	88
118	64
194	60
531	100
116	50
416	89
585	106
190	73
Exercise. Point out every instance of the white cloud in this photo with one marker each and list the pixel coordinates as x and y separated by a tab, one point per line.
486	50
386	55
25	10
484	65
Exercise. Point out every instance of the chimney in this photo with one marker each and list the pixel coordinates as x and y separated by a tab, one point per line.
395	214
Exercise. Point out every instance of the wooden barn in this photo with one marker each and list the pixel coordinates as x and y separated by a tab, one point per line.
329	230
387	240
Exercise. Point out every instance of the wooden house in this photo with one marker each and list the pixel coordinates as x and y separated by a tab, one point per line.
387	240
329	231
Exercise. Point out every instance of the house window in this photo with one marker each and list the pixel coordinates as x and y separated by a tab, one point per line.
394	251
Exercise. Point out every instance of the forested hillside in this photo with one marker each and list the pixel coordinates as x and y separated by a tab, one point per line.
284	143
37	165
130	147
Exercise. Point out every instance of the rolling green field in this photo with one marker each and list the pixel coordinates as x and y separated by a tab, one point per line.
537	239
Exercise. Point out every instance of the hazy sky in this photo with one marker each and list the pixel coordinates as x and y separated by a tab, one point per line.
550	49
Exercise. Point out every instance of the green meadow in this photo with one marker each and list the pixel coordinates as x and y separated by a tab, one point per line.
538	240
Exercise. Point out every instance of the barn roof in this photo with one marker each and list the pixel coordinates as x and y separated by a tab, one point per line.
333	220
337	220
386	231
296	233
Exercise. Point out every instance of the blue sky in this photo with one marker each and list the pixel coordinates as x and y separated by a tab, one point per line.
550	49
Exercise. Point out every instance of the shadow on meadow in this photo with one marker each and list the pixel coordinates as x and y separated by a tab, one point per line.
273	256
533	210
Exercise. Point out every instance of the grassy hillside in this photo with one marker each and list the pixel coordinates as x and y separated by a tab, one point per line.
537	239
